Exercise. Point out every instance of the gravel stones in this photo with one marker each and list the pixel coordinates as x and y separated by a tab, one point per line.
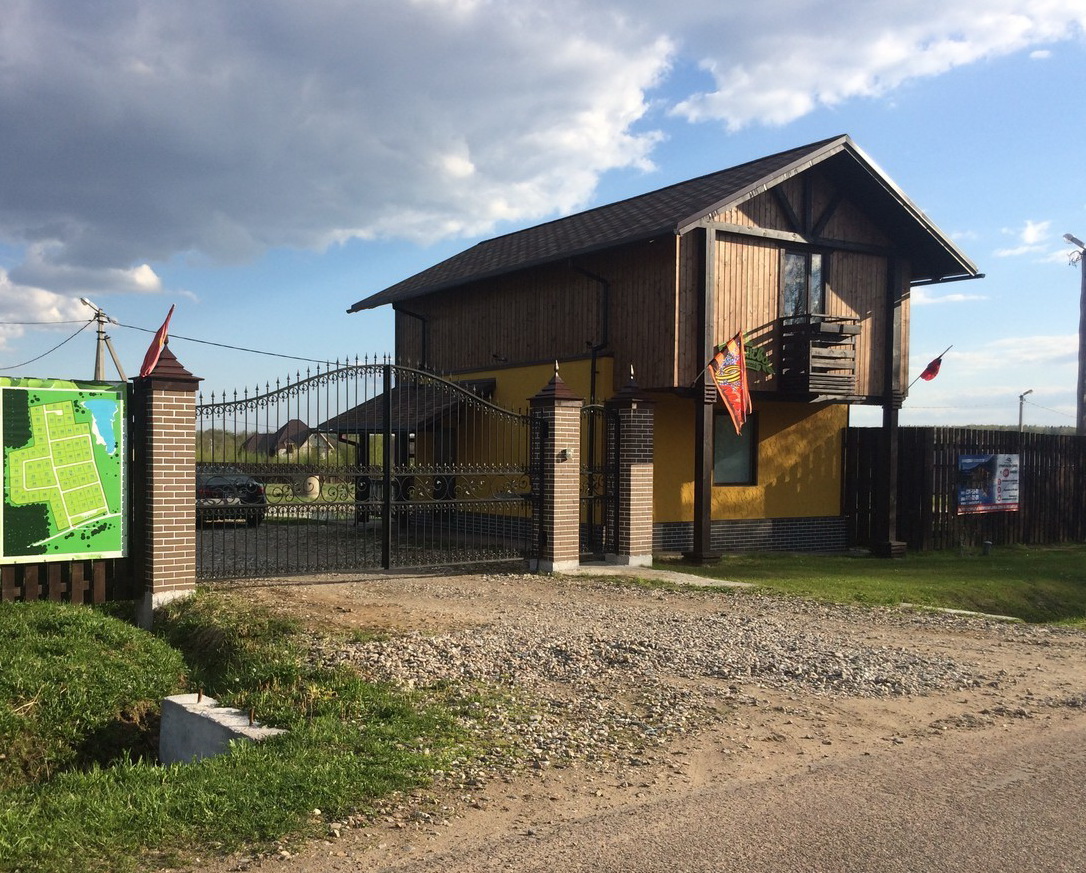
606	675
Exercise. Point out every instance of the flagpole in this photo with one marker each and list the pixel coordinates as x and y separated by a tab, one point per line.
936	358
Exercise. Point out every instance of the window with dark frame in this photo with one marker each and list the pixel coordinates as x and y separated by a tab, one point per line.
734	455
803	283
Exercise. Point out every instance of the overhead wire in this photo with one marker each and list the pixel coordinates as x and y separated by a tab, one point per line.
228	346
53	349
70	321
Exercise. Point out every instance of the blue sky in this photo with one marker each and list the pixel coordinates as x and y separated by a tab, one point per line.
263	166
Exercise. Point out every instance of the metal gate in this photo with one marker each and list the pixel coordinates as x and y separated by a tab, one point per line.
599	482
363	466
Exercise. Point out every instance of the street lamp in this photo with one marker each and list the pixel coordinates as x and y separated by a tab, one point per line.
1080	396
1021	403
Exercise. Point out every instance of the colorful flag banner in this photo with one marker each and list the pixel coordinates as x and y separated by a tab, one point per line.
729	370
150	360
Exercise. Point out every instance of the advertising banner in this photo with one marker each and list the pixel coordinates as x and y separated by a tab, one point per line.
64	470
987	483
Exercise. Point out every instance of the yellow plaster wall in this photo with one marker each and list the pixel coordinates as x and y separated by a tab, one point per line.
799	463
514	386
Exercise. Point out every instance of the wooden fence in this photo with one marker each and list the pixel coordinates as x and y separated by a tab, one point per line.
96	581
1052	489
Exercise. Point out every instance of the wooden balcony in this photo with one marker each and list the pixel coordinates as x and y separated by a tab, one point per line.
818	355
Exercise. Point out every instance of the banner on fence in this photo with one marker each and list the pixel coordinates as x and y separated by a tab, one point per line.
64	470
987	483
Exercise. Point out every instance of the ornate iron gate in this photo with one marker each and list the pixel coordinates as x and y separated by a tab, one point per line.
599	485
363	466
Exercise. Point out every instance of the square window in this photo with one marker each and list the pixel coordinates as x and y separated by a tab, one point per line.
734	455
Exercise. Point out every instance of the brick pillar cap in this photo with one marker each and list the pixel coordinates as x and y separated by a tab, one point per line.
555	390
631	394
170	373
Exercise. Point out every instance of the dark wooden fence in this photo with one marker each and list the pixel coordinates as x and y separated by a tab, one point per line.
1052	489
96	581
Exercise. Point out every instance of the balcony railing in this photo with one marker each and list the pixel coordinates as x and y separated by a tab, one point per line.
818	355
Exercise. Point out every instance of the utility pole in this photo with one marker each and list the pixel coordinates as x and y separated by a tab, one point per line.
104	343
1022	403
1080	395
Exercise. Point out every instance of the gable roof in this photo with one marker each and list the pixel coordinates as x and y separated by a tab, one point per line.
295	432
680	207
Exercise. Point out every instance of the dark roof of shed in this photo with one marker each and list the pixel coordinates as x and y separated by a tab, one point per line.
414	406
680	207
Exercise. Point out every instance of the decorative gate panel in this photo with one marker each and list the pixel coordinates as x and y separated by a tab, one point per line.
362	466
599	482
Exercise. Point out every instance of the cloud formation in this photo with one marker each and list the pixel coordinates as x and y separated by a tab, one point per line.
137	131
1031	237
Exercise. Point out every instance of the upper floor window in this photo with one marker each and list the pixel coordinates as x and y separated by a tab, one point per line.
803	283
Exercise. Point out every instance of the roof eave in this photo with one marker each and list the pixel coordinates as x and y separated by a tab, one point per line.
390	295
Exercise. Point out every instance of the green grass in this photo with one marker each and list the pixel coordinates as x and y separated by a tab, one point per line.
1042	584
349	743
77	689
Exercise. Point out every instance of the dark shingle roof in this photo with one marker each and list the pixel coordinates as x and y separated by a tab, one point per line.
673	210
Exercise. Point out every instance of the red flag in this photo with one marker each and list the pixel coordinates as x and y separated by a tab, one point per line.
932	369
150	360
729	369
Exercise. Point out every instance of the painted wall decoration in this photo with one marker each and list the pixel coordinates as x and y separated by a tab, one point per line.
987	483
64	470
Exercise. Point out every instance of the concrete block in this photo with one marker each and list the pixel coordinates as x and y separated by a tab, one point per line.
195	726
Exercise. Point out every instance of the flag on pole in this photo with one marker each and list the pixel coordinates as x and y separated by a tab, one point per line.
932	369
729	369
150	360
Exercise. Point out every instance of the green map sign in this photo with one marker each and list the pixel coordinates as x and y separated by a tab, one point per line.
64	471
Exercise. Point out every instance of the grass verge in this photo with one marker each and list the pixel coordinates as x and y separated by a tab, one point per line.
1035	584
349	743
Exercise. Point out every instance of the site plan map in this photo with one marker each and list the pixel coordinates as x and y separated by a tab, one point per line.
63	470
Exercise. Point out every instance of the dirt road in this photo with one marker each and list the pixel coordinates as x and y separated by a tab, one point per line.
812	758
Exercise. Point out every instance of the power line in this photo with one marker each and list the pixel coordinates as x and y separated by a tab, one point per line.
227	346
1048	409
53	349
8	323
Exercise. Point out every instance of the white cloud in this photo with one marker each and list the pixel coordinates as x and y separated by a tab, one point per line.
24	303
144	131
926	295
1031	236
774	62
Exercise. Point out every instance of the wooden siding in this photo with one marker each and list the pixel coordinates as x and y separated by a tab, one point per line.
748	295
553	312
857	289
748	275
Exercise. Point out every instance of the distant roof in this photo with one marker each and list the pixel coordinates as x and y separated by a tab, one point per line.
294	432
680	207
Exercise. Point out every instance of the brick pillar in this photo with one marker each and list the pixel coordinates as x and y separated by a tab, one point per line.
635	446
560	514
164	480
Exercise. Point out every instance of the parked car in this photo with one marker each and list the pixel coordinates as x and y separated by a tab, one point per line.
229	495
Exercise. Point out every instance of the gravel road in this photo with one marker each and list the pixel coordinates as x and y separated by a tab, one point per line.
651	707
